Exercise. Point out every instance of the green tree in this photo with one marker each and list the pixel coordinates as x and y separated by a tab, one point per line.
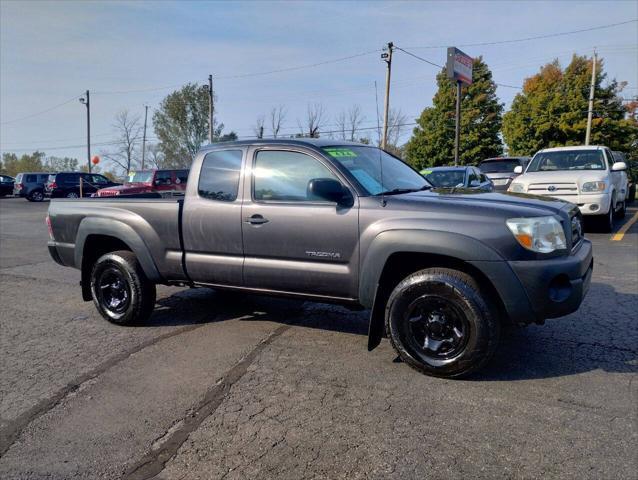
432	141
181	124
61	164
552	110
12	164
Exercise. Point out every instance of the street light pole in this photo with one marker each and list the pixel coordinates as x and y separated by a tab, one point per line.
87	103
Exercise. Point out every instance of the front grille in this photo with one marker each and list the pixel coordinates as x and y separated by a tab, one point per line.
553	189
576	223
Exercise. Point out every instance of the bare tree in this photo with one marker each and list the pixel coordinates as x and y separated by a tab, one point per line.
315	120
397	121
342	127
277	117
259	126
129	133
155	156
355	119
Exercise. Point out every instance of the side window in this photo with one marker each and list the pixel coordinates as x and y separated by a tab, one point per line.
219	178
72	178
31	179
43	178
473	176
181	176
163	178
99	179
284	176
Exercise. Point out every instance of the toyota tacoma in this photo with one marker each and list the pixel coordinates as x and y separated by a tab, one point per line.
440	270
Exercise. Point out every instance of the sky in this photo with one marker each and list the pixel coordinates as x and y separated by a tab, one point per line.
131	54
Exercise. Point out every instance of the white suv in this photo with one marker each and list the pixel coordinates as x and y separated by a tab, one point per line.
586	176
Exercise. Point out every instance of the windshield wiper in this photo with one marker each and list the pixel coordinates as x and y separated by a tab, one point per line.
397	191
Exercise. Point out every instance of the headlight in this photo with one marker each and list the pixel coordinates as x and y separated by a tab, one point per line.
539	234
516	188
590	187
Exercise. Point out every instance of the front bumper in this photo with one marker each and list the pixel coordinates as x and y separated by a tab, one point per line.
535	290
588	204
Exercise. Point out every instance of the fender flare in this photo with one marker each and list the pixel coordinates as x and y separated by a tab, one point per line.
436	242
120	230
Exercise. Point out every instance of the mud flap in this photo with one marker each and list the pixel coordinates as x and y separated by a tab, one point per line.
377	323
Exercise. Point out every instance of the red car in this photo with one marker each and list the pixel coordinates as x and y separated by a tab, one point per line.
164	182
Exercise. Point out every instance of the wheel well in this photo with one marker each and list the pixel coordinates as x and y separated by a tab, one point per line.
94	247
400	265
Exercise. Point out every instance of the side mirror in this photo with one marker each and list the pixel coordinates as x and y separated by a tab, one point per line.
619	166
518	169
329	189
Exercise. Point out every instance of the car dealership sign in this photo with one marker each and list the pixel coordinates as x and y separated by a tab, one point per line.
459	65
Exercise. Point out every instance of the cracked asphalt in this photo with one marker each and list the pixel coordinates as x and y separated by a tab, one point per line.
221	385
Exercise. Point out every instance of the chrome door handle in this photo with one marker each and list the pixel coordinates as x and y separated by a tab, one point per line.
256	220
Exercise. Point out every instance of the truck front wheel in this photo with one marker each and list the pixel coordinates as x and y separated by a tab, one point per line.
441	324
120	290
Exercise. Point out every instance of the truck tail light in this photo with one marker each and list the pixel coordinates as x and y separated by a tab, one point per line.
53	185
49	227
19	186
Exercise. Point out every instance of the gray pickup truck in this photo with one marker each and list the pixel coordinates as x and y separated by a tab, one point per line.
439	269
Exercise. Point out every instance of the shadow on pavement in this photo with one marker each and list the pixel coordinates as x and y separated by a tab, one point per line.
602	335
595	337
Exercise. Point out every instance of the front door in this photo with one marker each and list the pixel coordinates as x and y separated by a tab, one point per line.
292	242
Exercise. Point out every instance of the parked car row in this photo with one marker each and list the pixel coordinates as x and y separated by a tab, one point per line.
36	186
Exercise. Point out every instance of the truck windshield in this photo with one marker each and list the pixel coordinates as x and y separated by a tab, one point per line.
567	160
140	177
498	166
365	164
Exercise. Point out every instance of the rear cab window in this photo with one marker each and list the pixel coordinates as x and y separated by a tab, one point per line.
219	177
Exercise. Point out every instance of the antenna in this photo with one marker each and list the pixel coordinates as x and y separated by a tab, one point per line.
376	97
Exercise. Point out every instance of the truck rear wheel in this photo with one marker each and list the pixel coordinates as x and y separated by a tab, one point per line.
120	290
441	324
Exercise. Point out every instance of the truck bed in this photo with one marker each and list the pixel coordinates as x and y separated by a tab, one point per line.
153	222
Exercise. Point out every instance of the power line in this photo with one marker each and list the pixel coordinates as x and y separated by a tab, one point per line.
75	97
441	66
536	37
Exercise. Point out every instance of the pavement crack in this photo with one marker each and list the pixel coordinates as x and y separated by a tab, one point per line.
155	459
10	432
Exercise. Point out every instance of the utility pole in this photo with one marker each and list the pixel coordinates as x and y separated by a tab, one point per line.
457	128
210	109
387	58
87	103
592	88
144	136
261	131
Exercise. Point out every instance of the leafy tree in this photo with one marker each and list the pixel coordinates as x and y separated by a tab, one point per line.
61	164
432	141
181	124
552	110
12	164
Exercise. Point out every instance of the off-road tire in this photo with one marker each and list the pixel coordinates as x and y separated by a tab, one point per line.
123	267
456	287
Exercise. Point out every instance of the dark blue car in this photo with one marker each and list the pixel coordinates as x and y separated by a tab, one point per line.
458	177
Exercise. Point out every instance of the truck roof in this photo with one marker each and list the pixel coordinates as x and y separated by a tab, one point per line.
574	147
307	142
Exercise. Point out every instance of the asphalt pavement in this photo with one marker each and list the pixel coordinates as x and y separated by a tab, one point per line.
220	385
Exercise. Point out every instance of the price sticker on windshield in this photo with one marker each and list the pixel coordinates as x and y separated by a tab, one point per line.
340	152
